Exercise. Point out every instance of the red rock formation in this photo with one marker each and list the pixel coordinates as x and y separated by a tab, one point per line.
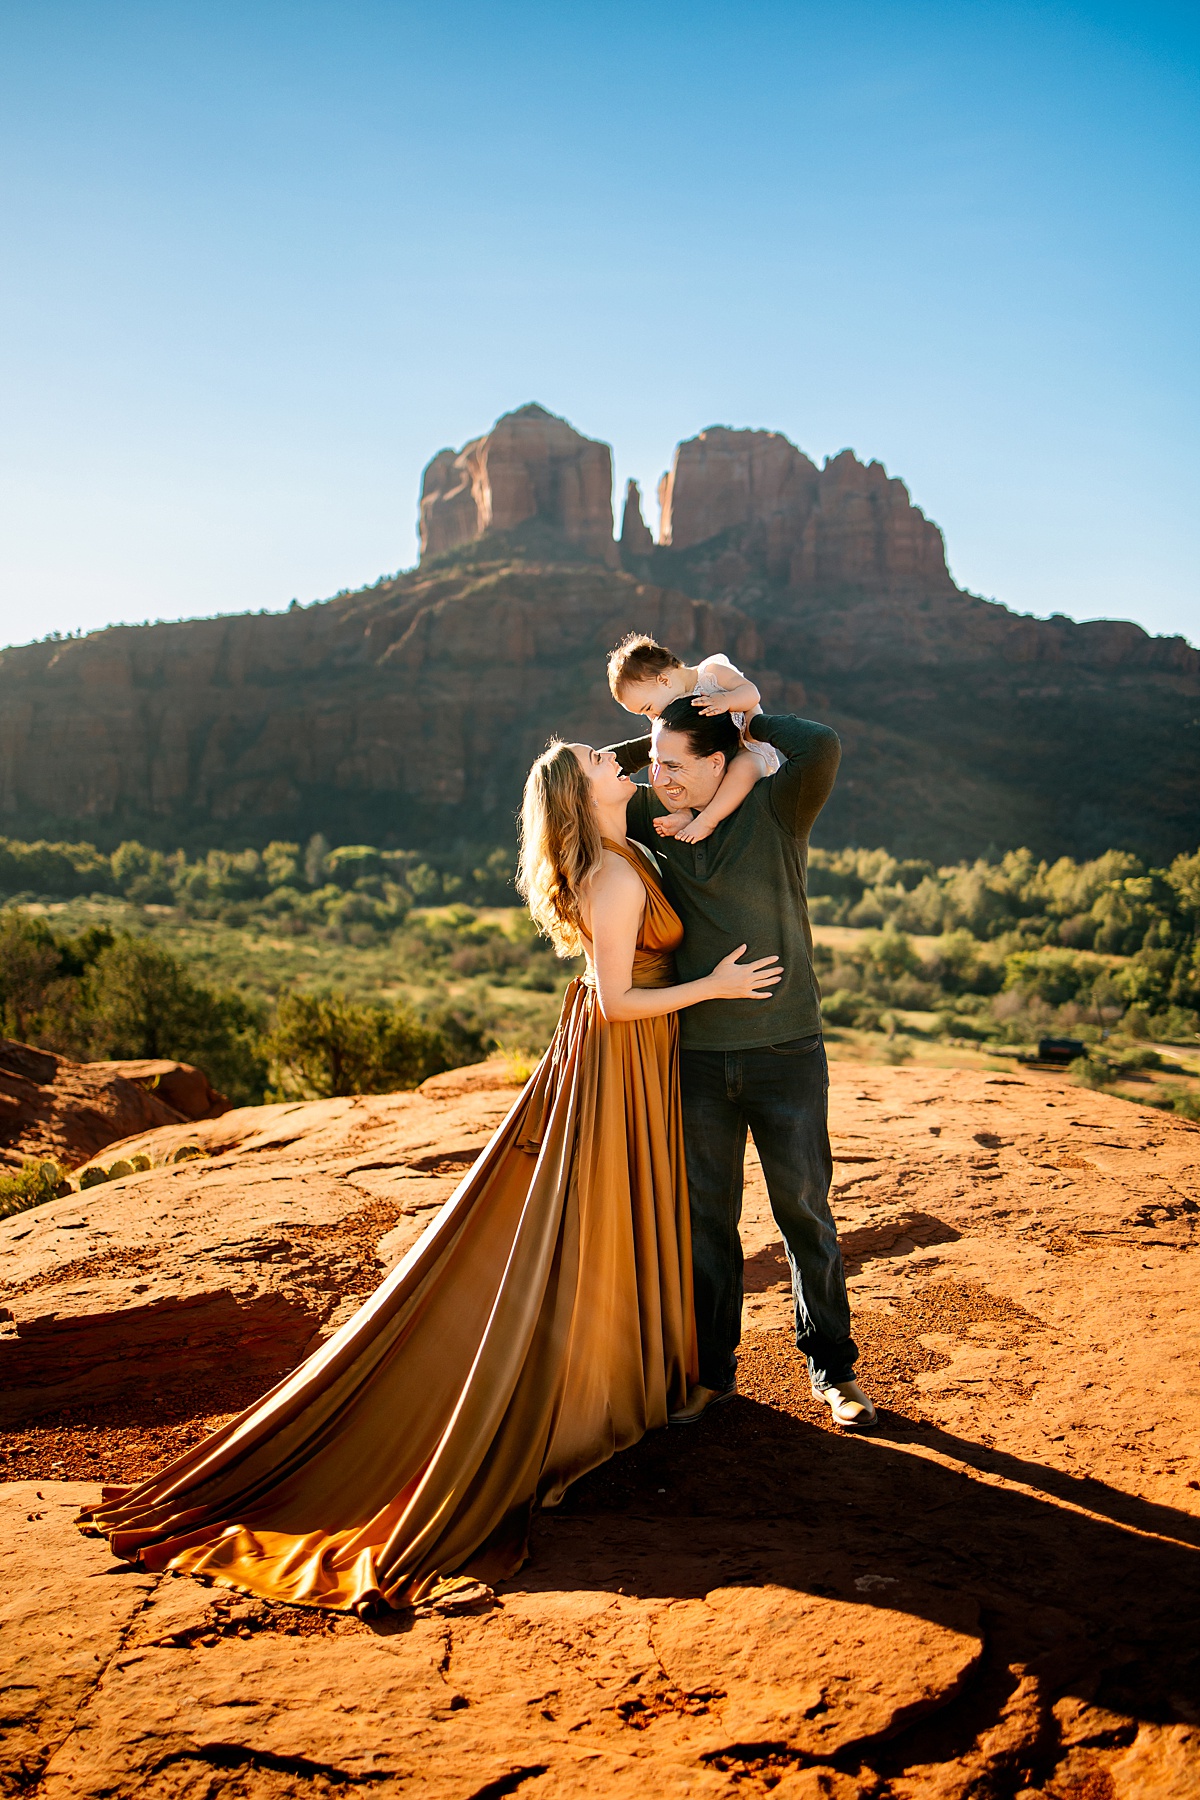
417	705
799	527
637	541
725	478
51	1107
531	466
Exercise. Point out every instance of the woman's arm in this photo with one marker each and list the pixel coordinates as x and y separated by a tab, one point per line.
613	910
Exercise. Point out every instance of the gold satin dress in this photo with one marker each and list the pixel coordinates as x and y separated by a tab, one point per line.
542	1321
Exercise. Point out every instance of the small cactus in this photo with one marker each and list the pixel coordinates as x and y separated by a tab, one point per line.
188	1153
90	1178
119	1168
140	1163
53	1179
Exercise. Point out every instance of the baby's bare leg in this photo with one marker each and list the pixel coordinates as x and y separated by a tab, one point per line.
739	777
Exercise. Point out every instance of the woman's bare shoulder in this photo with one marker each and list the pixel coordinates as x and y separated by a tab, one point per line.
615	875
614	892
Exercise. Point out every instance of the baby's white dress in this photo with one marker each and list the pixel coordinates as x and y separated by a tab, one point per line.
765	755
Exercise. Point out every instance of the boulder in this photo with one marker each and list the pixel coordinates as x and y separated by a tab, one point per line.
531	468
68	1111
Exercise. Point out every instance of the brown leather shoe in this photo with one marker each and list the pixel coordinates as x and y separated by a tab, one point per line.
849	1405
699	1401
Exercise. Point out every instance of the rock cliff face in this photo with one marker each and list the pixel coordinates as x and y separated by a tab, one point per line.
778	519
531	467
414	708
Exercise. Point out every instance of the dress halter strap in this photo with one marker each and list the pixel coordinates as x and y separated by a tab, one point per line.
640	859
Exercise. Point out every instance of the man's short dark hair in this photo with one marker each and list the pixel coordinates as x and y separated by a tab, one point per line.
705	734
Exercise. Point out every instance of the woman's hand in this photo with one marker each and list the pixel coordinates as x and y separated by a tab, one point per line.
734	980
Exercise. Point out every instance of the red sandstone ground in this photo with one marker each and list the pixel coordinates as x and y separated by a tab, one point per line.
995	1594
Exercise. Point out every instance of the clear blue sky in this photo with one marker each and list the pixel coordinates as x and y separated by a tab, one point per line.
261	261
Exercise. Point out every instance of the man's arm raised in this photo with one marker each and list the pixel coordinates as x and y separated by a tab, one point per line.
632	757
811	754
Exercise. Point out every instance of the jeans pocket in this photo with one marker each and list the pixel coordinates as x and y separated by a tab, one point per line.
797	1046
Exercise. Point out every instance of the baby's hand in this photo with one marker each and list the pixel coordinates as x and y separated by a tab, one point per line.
672	823
710	704
696	832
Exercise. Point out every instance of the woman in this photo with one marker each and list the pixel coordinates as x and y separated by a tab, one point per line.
541	1322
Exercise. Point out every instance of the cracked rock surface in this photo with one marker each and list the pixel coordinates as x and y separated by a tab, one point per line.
994	1596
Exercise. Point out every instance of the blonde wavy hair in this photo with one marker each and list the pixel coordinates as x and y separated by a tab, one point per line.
560	845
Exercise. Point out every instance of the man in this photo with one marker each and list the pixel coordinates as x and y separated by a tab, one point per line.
746	1063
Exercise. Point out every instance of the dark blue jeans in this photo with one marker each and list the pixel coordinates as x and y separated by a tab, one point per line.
782	1094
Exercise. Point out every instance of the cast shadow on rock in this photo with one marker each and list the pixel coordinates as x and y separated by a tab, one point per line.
1106	1601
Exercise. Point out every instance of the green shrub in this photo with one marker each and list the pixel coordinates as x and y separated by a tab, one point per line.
1181	1100
29	964
1095	1070
842	1007
32	1185
324	1046
1053	975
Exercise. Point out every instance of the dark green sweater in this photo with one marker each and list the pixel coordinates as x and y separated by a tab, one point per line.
747	883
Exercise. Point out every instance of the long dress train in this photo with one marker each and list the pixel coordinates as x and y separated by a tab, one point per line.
542	1321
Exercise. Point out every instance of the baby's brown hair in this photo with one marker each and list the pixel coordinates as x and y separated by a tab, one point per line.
638	658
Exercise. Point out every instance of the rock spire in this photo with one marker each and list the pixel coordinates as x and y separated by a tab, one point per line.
637	540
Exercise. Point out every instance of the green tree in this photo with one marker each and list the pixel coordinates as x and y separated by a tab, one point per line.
29	964
141	875
139	1001
1055	976
324	1045
282	864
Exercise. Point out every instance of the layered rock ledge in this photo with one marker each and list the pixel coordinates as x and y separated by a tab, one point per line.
994	1594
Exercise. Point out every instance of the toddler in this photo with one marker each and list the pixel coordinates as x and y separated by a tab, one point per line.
645	677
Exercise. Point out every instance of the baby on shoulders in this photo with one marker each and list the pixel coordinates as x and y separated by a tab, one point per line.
645	677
